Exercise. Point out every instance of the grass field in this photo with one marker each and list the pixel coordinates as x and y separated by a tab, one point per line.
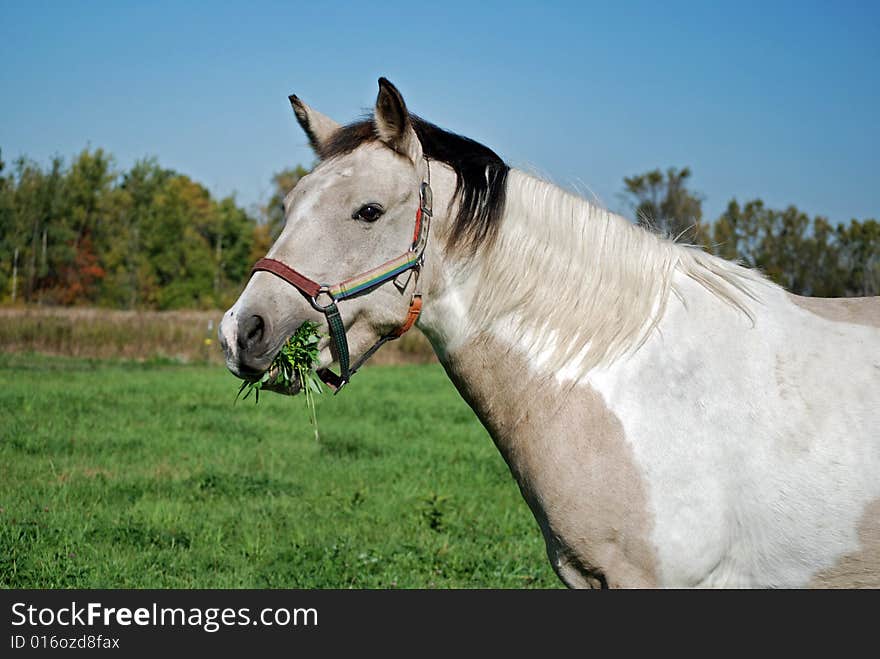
144	475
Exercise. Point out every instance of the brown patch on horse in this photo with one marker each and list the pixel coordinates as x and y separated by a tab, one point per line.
860	569
569	454
855	310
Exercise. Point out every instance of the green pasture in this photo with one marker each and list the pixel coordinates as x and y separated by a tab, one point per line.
145	475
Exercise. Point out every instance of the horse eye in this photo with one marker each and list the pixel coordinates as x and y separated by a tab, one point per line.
368	213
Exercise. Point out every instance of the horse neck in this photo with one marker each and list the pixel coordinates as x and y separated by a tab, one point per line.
565	288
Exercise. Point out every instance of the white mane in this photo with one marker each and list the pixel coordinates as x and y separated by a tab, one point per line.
583	285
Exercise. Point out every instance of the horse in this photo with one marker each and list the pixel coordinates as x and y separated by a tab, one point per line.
672	419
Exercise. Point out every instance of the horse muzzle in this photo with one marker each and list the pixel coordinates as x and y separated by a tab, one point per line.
246	341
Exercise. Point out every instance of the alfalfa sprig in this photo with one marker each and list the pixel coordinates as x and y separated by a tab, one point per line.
294	362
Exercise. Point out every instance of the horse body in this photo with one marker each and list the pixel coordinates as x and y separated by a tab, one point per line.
758	442
727	450
672	419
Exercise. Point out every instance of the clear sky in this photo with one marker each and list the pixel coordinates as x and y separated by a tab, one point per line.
773	100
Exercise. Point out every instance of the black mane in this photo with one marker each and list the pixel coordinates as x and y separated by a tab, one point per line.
481	175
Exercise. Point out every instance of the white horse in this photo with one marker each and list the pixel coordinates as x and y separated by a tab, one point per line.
671	418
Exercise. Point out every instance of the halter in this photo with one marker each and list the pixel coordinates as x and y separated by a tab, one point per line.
361	284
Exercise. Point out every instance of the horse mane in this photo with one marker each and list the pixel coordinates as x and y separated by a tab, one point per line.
581	286
481	176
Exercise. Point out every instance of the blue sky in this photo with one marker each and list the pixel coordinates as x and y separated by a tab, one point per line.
773	100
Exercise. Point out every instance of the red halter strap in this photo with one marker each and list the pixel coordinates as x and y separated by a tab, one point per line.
308	287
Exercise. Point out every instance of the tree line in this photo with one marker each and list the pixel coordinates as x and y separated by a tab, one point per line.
86	233
807	255
147	238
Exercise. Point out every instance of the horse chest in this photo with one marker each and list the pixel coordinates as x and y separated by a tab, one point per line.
590	500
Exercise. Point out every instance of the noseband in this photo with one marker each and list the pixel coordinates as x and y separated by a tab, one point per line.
323	297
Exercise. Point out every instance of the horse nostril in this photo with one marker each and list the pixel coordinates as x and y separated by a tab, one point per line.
256	332
250	332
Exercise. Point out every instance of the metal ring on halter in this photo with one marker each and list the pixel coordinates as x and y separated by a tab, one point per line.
313	300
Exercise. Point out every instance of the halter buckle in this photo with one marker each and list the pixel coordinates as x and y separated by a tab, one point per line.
426	199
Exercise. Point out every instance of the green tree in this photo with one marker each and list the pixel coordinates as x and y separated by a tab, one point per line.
80	224
859	244
36	199
233	251
150	238
806	256
663	202
825	271
130	280
180	257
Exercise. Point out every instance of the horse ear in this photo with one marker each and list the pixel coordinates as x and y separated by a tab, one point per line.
393	124
318	127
